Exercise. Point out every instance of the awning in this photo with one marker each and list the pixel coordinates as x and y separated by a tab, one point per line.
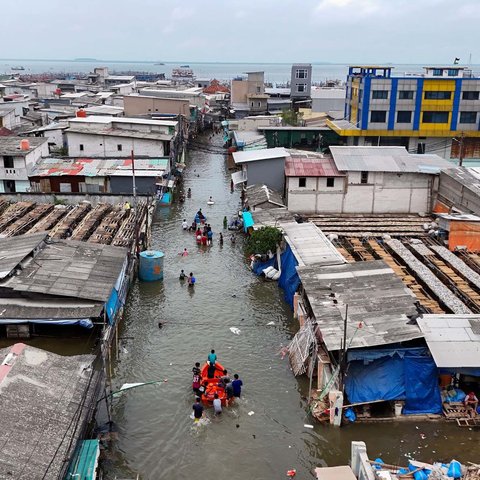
83	322
239	177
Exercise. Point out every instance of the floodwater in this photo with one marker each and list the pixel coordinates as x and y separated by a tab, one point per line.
263	434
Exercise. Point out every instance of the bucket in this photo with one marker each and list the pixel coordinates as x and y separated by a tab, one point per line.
398	409
151	266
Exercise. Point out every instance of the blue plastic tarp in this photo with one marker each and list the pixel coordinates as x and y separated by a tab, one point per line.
83	322
382	379
405	374
422	394
289	279
247	221
258	267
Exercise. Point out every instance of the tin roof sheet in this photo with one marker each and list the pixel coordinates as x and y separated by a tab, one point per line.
452	339
386	159
264	154
310	164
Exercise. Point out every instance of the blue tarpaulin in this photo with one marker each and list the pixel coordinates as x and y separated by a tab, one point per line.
83	322
402	374
258	267
289	279
247	221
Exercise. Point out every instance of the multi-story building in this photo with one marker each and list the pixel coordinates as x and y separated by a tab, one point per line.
436	111
248	94
301	81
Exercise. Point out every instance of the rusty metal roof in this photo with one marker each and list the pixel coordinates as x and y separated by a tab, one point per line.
310	164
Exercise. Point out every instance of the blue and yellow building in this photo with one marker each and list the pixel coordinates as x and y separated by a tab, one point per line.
437	111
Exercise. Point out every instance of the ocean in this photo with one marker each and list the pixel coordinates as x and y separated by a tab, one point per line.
274	72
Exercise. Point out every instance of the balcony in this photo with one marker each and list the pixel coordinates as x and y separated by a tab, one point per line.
13	174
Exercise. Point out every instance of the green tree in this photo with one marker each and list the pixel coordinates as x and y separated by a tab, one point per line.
263	240
291	117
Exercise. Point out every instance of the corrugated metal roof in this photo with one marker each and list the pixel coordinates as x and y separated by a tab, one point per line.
264	154
451	339
14	249
468	177
261	196
378	304
98	167
310	164
386	159
309	244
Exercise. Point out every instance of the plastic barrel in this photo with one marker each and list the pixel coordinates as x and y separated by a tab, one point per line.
151	266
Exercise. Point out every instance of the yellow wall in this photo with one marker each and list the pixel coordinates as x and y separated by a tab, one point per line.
354	101
437	105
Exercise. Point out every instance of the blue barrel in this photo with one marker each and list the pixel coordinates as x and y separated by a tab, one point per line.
151	266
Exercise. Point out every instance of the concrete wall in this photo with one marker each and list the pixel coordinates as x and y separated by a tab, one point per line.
294	81
145	105
239	89
107	146
269	172
384	193
123	185
70	198
10	120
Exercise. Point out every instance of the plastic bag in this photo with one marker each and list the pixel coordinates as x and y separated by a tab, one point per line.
455	469
350	415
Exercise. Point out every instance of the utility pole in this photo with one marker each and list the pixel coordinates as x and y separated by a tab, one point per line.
460	159
134	186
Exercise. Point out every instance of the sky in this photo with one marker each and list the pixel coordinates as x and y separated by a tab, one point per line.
264	31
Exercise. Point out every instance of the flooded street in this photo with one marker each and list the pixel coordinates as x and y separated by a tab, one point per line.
156	436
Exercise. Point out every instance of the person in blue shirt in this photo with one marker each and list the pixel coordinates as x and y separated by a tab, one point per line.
237	386
212	357
209	237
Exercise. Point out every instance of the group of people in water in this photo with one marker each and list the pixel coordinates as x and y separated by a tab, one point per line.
216	386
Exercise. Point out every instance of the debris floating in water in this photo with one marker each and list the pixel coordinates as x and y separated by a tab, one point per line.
251	412
235	330
291	473
307	425
271	323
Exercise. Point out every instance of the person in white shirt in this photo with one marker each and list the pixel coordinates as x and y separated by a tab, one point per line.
185	224
217	405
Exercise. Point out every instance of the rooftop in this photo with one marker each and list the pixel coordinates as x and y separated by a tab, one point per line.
11	145
378	304
263	197
256	155
453	340
386	159
36	433
310	246
310	164
120	132
469	178
99	167
104	109
105	119
69	268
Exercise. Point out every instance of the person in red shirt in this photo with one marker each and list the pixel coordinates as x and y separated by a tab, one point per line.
204	239
471	403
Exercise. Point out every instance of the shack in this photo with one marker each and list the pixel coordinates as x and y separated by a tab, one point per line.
47	403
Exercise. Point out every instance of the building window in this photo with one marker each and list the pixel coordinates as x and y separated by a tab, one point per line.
379	94
438	95
119	147
259	104
330	181
435	117
8	161
421	148
468	117
470	95
301	73
452	73
81	147
259	89
404	116
364	177
437	72
302	182
378	116
405	95
301	87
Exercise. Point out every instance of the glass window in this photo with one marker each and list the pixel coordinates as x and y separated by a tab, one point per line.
378	116
81	147
437	72
379	94
435	117
302	182
301	73
330	181
364	177
119	147
404	116
8	161
468	117
438	95
470	95
301	87
405	94
452	73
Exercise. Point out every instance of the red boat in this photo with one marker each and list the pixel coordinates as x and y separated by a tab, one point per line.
212	384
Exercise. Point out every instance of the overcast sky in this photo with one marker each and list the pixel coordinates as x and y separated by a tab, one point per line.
397	31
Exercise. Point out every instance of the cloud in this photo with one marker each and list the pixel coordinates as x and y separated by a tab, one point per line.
345	6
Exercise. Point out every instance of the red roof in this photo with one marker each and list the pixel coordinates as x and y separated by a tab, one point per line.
216	87
310	165
5	132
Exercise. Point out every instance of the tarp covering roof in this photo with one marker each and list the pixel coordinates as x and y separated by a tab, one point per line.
453	340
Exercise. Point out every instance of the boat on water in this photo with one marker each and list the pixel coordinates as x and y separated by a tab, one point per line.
182	73
19	67
184	66
211	384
